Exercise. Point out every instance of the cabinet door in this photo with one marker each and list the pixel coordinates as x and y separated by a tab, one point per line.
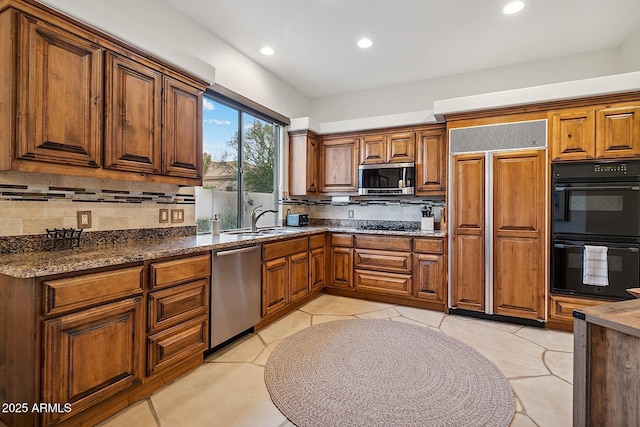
342	267
133	122
572	134
275	276
618	132
429	277
182	130
92	355
303	162
317	267
431	161
518	234
401	147
338	165
468	253
299	276
59	96
373	149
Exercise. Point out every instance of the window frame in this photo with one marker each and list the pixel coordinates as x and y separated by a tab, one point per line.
222	96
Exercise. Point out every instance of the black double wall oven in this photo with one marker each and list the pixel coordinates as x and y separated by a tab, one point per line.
595	206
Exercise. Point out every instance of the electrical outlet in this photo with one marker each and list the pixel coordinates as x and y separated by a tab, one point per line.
164	216
84	219
350	213
177	215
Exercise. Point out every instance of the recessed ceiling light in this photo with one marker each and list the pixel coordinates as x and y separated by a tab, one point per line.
267	51
365	43
513	7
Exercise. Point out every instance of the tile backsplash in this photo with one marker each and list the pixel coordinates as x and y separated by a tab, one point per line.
32	202
407	209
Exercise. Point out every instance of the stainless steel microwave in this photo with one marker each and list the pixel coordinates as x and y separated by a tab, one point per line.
386	179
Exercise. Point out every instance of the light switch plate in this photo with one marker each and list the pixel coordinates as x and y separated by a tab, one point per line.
164	216
84	219
177	215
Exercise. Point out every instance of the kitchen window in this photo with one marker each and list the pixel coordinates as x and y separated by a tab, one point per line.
240	164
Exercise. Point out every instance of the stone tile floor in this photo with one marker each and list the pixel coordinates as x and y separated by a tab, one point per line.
229	391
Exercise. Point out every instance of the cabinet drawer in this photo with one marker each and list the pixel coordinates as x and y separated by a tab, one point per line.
317	241
394	262
385	283
285	248
169	347
171	306
392	243
169	273
73	293
428	246
561	307
345	240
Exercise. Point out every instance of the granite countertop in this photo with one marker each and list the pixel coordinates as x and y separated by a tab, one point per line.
38	264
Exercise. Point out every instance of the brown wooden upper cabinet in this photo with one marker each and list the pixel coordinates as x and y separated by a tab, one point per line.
339	164
602	132
150	120
133	122
75	101
304	153
431	161
59	96
396	147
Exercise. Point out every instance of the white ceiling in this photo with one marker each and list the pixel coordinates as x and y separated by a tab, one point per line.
315	40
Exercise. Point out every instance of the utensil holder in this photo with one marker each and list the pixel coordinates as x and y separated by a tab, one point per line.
426	223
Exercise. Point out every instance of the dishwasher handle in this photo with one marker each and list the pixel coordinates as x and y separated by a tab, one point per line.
236	251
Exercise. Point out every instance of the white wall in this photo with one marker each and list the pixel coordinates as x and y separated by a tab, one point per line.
419	96
159	29
630	52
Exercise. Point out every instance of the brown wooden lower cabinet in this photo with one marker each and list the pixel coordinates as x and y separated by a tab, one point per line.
92	355
561	310
285	273
299	279
429	277
171	346
317	268
397	269
381	282
275	277
95	341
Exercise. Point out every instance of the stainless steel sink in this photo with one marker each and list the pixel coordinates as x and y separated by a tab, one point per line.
278	231
262	232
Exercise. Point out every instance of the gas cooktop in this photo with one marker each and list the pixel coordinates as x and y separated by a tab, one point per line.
389	227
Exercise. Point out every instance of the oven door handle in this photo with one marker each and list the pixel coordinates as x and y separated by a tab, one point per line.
600	188
563	246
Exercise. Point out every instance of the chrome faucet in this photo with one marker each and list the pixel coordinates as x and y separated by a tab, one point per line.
255	216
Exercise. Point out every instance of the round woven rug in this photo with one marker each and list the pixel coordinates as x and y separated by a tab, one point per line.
366	372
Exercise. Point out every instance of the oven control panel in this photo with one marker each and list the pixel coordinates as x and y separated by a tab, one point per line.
611	167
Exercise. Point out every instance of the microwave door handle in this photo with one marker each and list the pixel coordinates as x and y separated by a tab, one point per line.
563	246
600	188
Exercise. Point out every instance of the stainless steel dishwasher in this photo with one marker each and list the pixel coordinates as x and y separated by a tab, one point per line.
236	290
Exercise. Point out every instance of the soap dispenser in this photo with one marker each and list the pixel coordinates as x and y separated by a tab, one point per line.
215	226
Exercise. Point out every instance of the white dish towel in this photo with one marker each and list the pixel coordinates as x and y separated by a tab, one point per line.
595	270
